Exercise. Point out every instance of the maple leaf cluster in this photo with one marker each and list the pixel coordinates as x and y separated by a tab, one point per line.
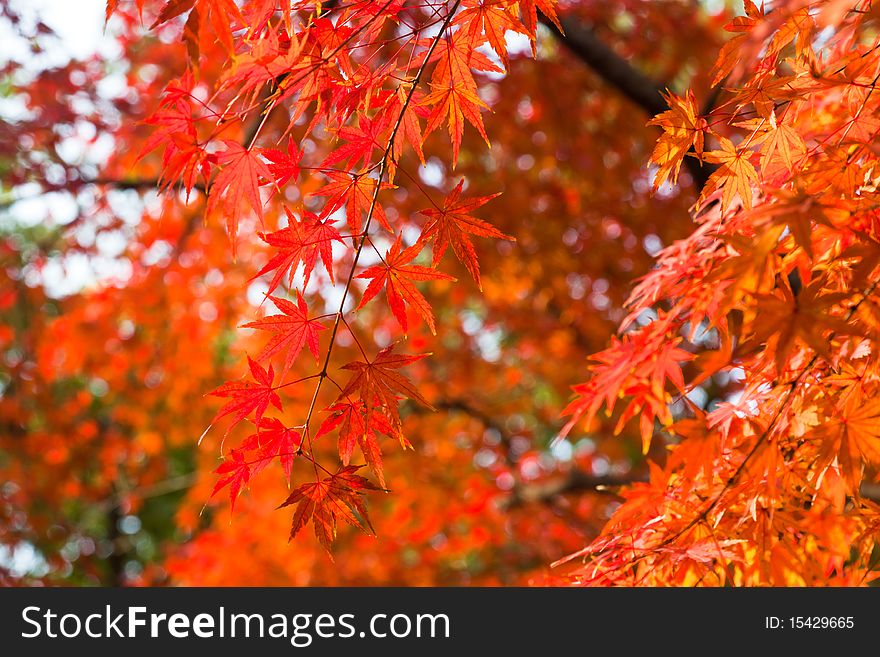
777	285
376	77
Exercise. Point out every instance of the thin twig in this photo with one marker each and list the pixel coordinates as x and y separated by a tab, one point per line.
382	168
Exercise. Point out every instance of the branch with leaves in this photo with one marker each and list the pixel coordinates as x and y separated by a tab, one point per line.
582	41
384	113
780	279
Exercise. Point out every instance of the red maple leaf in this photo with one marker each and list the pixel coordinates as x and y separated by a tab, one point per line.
354	192
359	142
397	276
247	397
233	473
172	9
368	441
339	495
174	125
239	178
221	13
359	426
379	380
293	330
349	417
453	224
300	242
183	158
271	440
284	165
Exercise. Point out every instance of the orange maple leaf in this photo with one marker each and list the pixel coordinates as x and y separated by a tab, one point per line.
735	176
683	128
782	319
486	21
851	438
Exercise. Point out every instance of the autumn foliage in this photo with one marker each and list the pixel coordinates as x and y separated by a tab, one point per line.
447	292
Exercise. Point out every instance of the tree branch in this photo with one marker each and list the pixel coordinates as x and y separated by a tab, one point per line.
577	481
644	92
139	184
870	491
582	41
464	407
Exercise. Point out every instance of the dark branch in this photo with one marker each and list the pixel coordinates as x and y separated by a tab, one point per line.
461	406
644	92
138	184
464	407
608	65
577	481
870	491
574	481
